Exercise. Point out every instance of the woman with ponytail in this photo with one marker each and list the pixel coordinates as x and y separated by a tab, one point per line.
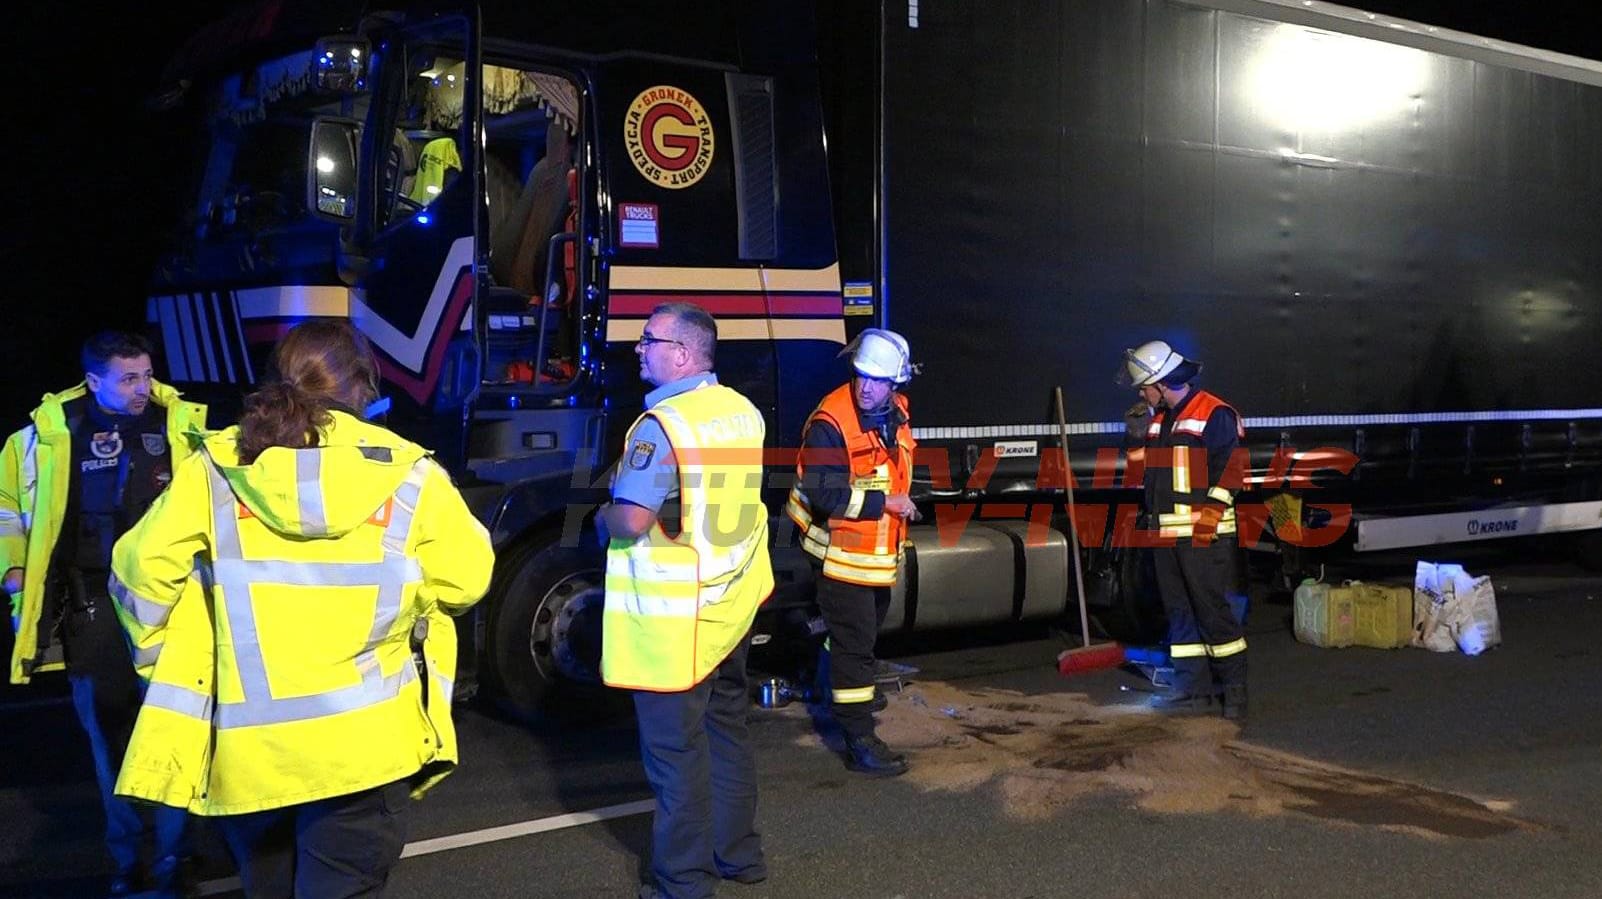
300	685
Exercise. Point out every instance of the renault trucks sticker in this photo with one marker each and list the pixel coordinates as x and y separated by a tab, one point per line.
637	225
668	136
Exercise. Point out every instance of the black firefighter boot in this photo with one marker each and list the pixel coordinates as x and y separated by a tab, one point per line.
1235	703
868	755
1177	702
1190	693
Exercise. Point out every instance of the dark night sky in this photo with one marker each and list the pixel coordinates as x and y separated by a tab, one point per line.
1566	27
87	164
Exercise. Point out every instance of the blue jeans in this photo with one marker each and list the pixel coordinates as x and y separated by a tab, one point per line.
108	721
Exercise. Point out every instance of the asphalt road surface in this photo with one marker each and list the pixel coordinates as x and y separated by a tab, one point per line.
1362	772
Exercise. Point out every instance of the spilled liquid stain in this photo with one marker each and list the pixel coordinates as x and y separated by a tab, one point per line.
1040	754
1341	795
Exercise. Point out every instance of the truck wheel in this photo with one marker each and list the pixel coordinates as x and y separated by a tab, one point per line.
545	630
1122	591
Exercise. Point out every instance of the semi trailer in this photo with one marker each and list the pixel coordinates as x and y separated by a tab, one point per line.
1378	236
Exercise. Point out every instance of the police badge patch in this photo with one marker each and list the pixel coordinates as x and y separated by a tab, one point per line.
106	444
155	444
640	455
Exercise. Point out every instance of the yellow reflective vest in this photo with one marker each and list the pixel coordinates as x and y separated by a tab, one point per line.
313	655
35	478
438	159
676	606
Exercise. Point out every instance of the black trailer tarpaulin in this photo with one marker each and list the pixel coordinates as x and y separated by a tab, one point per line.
1332	224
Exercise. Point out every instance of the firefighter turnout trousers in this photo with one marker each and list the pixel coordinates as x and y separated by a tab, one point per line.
1206	638
853	613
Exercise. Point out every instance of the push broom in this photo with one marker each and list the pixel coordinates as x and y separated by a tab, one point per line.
1089	657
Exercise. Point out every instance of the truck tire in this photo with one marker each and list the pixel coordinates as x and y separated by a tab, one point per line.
1122	593
544	634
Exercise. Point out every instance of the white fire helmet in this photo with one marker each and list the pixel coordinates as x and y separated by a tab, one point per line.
1151	362
878	353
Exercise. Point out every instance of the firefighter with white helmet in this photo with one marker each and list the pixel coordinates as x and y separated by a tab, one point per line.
1186	439
851	503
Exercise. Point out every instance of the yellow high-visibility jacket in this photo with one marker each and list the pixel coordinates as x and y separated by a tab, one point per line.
439	158
35	477
676	606
287	673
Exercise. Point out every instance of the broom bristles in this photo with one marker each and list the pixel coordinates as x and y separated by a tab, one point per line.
1090	658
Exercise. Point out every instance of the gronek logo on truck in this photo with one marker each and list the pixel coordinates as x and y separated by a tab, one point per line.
669	137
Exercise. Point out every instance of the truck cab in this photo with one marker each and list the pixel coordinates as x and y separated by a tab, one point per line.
499	198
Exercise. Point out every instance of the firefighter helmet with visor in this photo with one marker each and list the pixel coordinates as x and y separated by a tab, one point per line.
878	353
1152	362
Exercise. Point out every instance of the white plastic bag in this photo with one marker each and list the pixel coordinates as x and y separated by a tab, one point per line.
1479	627
1453	610
1435	606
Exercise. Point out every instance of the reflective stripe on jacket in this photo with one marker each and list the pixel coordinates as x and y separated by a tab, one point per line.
677	606
1177	496
859	551
35	478
317	658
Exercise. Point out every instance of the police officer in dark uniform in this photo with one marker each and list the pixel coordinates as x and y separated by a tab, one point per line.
114	436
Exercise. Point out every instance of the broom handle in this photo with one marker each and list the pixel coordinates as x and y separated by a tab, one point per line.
1073	527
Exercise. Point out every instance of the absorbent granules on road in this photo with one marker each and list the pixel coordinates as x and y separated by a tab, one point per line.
1040	753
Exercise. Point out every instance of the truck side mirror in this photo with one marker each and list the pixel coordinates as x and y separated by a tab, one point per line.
331	168
340	66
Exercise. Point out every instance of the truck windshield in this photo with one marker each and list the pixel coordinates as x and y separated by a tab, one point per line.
258	125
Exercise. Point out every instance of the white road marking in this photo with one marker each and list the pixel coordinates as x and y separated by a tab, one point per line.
478	837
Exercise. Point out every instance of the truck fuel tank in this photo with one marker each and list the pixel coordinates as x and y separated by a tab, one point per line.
983	573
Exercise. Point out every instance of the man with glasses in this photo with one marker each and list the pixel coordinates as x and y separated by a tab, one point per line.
686	567
851	502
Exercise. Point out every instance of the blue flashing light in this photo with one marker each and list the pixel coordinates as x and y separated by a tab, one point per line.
513	401
423	218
